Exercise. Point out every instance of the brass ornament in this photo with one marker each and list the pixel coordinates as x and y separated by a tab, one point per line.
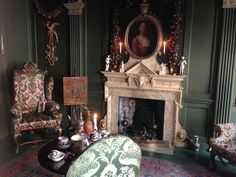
50	52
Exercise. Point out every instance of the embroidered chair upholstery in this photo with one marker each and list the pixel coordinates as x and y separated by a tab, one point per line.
33	106
113	156
224	145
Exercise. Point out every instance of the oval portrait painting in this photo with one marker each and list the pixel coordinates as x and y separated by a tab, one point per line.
143	37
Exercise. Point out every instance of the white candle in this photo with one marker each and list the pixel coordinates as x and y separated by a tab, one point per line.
164	47
2	45
95	121
120	47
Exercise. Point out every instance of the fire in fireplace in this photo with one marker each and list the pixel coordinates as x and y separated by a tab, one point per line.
143	118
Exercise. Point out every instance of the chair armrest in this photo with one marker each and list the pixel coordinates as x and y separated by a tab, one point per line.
51	107
225	133
16	110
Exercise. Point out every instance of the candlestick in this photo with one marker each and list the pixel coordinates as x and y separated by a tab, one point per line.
95	121
120	47
164	47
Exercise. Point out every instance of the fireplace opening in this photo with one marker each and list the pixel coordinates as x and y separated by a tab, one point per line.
141	118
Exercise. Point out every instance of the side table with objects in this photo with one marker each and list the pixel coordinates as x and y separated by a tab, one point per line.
58	154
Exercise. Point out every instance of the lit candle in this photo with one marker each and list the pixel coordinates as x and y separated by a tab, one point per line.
95	121
2	45
120	47
164	47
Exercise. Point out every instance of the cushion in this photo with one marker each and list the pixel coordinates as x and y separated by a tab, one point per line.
29	90
113	156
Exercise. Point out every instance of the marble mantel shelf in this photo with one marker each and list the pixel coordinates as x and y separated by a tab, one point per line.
144	81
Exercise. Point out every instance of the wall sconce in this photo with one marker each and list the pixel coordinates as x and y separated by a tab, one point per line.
2	46
74	7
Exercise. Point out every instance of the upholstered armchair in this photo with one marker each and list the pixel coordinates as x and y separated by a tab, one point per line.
224	144
33	106
113	156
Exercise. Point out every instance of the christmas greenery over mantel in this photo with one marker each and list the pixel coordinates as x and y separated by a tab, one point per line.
170	14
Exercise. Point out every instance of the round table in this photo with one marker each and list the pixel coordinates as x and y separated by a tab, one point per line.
72	153
60	167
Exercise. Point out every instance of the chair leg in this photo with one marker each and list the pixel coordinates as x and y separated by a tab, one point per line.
17	135
212	156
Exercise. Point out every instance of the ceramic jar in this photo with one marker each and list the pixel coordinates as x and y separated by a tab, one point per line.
88	126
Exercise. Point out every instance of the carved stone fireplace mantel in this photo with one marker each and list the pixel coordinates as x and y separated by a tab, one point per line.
140	82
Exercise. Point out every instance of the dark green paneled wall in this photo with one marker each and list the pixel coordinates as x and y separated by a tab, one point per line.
97	45
93	34
61	67
22	26
15	26
198	49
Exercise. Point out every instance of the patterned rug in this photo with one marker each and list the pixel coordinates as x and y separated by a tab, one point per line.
162	168
27	165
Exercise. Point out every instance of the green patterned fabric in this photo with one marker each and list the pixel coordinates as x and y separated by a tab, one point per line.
116	156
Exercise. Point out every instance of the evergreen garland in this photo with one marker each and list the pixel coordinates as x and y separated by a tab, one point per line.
173	41
115	63
48	15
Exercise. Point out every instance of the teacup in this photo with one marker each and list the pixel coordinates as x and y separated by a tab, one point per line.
76	137
79	142
63	140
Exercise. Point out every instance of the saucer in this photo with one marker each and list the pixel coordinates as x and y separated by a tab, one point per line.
96	137
60	155
105	133
63	146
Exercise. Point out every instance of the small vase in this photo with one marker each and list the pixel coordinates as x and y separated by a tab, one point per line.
88	126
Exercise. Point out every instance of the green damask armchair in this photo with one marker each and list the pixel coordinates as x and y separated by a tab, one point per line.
33	106
116	156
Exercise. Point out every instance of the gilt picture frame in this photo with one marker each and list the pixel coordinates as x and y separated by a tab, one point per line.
144	37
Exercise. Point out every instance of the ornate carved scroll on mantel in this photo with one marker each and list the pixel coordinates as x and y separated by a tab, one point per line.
229	4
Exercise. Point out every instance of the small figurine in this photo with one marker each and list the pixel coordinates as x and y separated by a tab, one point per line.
182	64
163	69
108	59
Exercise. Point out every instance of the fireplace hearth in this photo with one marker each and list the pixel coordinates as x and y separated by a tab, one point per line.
142	118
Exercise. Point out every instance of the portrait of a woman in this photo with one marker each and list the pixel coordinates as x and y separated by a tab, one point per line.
142	37
141	42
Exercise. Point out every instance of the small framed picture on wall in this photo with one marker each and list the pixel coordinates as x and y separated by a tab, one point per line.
75	90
